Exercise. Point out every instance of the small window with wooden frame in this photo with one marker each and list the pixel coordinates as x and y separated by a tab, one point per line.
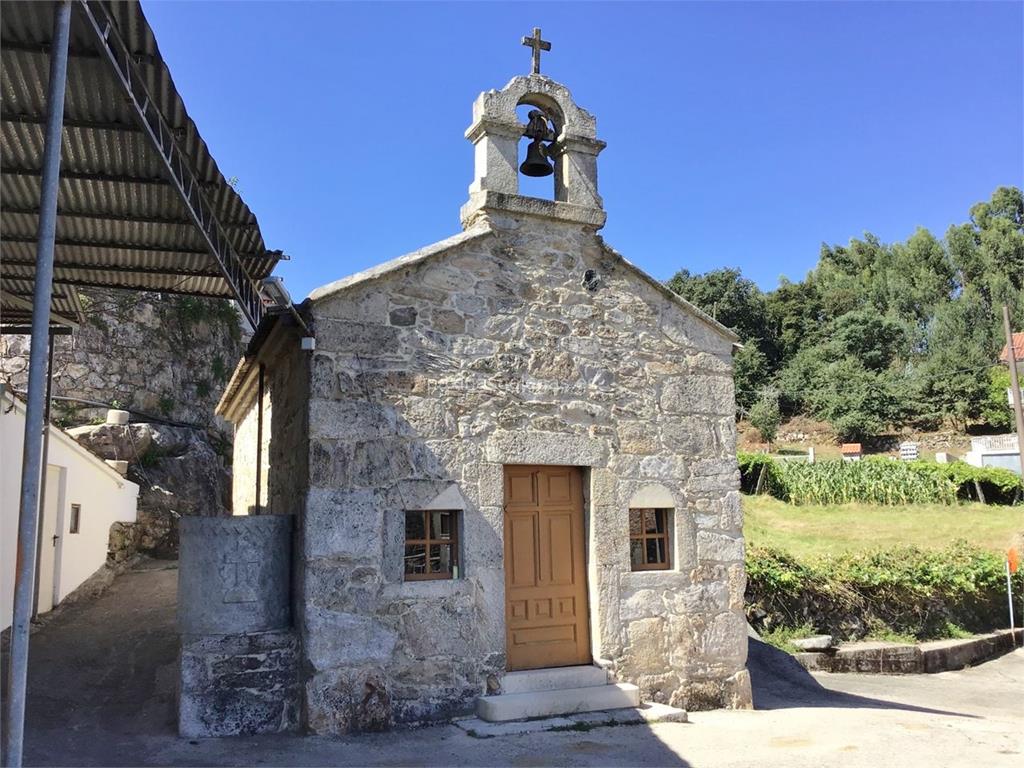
649	539
431	545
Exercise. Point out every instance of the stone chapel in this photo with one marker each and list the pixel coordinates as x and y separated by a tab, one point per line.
508	463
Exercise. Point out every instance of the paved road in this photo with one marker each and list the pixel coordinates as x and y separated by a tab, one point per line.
102	693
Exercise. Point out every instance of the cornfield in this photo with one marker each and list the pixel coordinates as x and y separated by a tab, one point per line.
877	480
872	481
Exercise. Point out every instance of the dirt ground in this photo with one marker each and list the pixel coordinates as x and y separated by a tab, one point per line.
102	680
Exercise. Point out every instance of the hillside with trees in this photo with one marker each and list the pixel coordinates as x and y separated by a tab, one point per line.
881	336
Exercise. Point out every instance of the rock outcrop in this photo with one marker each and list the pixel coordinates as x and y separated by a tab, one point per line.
178	473
163	355
159	356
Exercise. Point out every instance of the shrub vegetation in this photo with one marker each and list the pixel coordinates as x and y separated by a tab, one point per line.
905	592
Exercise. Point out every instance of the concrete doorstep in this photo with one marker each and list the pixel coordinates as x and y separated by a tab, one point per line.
583	721
904	659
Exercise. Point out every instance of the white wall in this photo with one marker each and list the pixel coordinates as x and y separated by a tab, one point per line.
105	498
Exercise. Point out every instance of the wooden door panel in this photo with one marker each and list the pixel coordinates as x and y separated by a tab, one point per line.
531	636
557	565
545	579
522	546
520	488
557	488
567	608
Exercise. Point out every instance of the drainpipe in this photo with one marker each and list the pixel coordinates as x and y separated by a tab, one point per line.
259	439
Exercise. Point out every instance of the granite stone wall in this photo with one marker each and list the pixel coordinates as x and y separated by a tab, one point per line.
522	341
239	685
159	354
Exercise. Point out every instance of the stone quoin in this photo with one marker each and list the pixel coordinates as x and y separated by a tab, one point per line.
508	447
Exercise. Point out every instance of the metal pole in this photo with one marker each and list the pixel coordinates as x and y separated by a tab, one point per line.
43	464
1009	599
14	727
1018	411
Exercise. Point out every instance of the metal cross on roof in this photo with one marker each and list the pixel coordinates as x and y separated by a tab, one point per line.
537	45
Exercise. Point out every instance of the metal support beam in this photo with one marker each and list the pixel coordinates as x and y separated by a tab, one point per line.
13	298
175	286
175	162
20	46
70	122
134	218
66	242
170	272
24	330
31	471
112	178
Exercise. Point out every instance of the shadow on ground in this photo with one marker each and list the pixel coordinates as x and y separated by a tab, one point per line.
101	670
102	677
780	682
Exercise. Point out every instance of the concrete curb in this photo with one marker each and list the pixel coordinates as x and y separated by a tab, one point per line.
903	659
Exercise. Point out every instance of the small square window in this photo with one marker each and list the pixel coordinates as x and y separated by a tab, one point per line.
431	545
76	518
649	539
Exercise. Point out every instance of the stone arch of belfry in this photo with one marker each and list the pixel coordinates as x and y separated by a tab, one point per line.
496	132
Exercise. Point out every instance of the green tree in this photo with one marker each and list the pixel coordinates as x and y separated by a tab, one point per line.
733	300
995	409
867	336
765	414
953	377
857	402
881	334
988	254
750	371
738	304
795	317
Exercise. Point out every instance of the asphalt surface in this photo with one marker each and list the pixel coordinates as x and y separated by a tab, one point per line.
102	680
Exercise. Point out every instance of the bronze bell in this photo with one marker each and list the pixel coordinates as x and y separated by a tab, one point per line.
536	162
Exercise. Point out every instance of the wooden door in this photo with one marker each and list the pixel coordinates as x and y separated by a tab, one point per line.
546	618
50	537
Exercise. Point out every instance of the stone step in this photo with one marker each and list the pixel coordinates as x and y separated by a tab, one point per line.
645	713
519	706
553	679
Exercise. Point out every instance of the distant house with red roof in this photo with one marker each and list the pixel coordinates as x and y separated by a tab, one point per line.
1018	350
851	451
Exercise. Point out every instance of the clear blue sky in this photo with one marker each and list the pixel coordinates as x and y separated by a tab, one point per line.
739	134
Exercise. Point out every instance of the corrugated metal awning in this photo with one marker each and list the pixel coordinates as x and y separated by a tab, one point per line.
122	221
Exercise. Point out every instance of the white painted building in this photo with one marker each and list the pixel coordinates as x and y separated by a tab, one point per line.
84	496
995	451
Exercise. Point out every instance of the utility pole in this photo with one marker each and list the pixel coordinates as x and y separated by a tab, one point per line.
1018	411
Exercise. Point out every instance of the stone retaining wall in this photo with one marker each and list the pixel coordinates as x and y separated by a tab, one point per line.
904	659
237	685
240	659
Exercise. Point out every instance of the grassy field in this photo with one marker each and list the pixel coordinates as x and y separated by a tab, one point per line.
819	530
